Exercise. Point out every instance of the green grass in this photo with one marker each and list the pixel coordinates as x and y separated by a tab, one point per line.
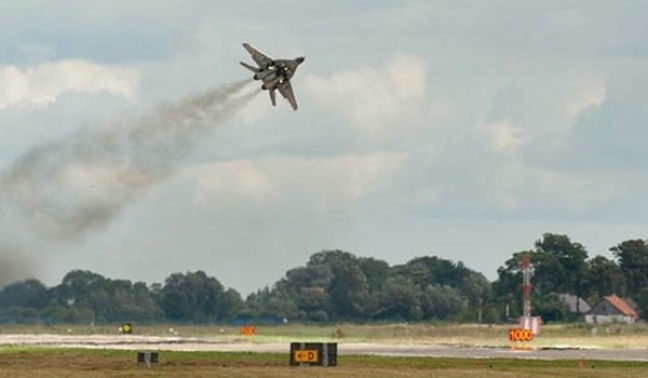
19	362
23	362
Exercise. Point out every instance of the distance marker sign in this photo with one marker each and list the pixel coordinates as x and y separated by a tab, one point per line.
307	355
519	334
313	354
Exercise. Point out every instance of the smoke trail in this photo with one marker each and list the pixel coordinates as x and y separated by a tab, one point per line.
14	265
64	190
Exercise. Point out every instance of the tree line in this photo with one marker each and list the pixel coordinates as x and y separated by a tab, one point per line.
337	286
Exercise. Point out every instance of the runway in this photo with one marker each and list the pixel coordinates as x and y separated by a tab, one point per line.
430	350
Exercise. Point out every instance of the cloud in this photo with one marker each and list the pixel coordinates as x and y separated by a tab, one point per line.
408	14
504	136
374	100
520	187
239	178
588	93
609	132
325	182
44	83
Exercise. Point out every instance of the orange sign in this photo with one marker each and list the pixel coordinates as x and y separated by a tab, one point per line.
306	355
519	334
248	330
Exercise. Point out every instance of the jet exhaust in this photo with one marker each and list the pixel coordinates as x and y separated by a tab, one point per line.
14	266
62	191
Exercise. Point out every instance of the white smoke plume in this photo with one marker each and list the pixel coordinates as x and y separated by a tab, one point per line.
14	265
61	191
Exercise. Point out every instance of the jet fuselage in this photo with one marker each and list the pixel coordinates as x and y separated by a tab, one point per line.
277	71
274	73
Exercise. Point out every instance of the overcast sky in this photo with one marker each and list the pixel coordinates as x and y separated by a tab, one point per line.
462	129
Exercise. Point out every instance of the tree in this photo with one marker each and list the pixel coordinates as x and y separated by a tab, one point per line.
335	277
145	307
329	257
376	271
316	275
441	302
313	303
507	289
266	303
550	308
348	291
28	293
193	297
570	258
109	300
633	261
77	286
307	289
642	302
476	288
231	304
549	275
400	299
558	266
432	270
604	277
84	289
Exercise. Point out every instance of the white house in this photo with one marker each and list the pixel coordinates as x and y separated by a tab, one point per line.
611	309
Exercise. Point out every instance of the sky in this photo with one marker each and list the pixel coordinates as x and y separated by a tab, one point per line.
460	129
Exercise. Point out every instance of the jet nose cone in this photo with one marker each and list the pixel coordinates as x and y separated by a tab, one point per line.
300	60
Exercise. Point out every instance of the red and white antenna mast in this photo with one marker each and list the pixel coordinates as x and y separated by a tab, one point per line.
525	265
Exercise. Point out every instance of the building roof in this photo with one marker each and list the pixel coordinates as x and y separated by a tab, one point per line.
621	305
631	303
575	303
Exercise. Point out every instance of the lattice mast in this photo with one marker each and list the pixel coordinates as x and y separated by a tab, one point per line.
525	265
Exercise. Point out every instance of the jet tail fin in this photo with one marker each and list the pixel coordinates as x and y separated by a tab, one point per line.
273	97
249	67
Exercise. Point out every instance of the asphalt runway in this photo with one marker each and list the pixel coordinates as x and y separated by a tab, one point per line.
134	342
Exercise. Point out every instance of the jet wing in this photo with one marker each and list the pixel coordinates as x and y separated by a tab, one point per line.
285	88
261	60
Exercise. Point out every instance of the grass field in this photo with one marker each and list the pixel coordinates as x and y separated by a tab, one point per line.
70	363
23	362
613	336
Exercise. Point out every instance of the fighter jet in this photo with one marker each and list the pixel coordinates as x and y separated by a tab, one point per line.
275	74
